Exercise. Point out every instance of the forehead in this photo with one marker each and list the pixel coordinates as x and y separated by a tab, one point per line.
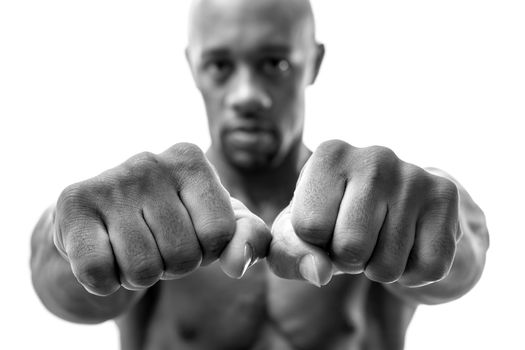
239	25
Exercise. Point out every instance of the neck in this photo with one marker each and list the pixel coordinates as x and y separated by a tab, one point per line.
272	186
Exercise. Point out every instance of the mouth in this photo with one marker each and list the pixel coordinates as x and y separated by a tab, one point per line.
251	137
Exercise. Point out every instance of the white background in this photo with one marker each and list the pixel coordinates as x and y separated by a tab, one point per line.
85	85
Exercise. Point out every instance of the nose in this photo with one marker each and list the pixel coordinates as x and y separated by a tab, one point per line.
246	94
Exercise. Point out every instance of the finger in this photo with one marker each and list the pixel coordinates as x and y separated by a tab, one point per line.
136	252
434	247
174	235
208	204
292	258
393	246
86	245
250	242
318	195
359	220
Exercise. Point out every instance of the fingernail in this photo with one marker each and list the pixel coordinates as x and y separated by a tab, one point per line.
254	261
248	256
309	270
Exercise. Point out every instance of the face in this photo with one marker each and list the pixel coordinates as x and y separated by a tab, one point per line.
251	62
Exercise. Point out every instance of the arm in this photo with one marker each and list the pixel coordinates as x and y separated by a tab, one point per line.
154	217
363	210
469	260
59	290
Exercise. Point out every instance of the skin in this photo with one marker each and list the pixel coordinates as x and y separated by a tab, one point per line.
350	240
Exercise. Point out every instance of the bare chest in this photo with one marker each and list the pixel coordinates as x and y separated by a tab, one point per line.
208	310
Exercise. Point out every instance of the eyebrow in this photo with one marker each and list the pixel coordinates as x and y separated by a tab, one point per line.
267	48
214	52
276	48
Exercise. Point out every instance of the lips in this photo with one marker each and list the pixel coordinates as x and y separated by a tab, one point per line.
251	138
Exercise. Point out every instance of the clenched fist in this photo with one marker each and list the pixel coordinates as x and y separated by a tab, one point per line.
154	217
360	210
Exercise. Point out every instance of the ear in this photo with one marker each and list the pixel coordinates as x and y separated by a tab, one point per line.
187	53
319	56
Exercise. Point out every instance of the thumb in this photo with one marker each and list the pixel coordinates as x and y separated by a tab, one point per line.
292	258
250	242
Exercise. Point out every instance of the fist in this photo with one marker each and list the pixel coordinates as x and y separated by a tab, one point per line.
359	210
154	217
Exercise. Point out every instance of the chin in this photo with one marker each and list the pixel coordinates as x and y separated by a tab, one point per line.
251	150
251	161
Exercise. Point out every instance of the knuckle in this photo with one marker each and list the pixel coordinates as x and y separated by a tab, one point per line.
384	273
435	268
331	154
144	272
444	248
351	252
433	261
310	229
415	177
414	184
197	169
219	227
143	157
378	164
187	161
380	154
433	272
182	264
138	170
75	203
186	154
445	189
183	259
128	182
187	150
97	275
215	233
333	146
73	197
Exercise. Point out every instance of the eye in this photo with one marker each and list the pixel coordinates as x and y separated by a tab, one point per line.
276	66
219	68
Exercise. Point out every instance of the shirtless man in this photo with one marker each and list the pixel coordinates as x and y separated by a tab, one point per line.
349	240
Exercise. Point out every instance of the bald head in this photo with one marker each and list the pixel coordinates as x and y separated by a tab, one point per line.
252	61
291	16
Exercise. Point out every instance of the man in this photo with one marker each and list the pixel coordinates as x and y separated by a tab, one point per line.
168	244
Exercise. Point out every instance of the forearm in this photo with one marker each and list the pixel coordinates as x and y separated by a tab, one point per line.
58	288
468	262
